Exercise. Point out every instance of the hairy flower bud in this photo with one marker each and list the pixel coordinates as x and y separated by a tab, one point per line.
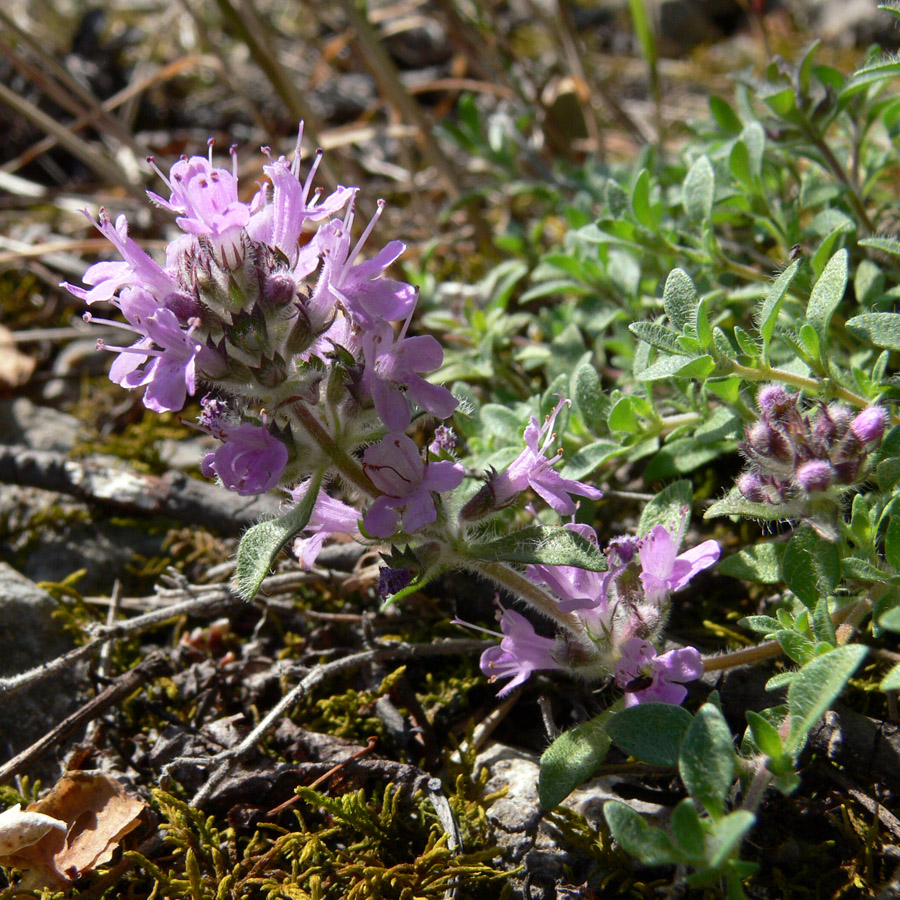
751	487
815	475
183	305
279	289
770	443
869	425
772	400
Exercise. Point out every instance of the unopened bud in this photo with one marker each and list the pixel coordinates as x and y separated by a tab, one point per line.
869	425
770	443
772	399
751	487
279	289
815	475
183	305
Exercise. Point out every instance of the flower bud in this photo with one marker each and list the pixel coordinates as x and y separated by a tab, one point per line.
279	289
815	475
183	305
751	487
770	443
869	425
771	400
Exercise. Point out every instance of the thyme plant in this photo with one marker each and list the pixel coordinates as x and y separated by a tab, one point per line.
772	342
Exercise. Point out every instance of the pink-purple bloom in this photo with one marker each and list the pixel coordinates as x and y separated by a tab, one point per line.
645	676
533	468
407	482
329	517
663	569
361	287
164	361
250	461
392	365
520	652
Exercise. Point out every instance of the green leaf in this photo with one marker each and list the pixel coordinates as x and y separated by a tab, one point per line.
760	624
707	763
883	69
888	245
658	336
890	621
810	566
667	507
782	102
754	138
880	329
760	563
583	462
677	366
549	545
588	396
262	543
727	834
891	681
650	732
765	734
652	846
622	417
680	299
827	294
768	313
640	200
688	831
679	457
699	190
726	118
572	758
815	687
501	422
735	504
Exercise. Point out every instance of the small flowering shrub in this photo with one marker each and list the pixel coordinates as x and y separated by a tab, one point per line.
728	310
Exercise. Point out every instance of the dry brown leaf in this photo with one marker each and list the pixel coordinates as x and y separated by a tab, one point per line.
15	367
98	814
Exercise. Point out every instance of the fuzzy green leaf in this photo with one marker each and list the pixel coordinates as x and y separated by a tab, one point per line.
810	566
727	834
760	563
548	545
735	504
572	758
699	190
652	846
768	313
707	761
689	831
658	336
667	507
680	299
262	543
650	732
815	687
827	294
881	329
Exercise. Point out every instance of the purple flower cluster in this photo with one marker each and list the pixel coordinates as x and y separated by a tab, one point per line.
617	612
271	303
795	454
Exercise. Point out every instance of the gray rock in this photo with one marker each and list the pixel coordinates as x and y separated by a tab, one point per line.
37	427
29	636
543	854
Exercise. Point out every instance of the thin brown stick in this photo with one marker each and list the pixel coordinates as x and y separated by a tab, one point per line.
151	667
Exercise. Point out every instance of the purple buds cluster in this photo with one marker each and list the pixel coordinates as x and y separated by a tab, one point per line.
795	454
